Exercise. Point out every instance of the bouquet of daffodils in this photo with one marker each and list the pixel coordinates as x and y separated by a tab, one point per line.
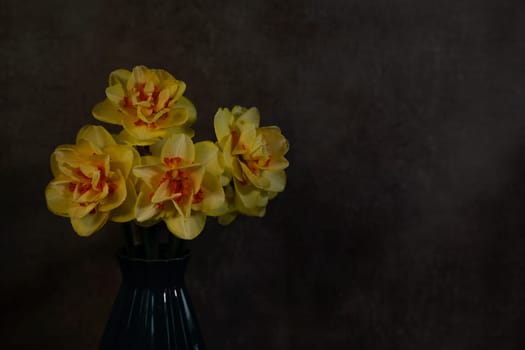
152	171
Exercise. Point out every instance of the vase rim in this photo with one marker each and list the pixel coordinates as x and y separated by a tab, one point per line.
122	255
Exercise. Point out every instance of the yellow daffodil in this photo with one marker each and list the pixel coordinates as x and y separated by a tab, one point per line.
92	183
148	103
180	184
253	157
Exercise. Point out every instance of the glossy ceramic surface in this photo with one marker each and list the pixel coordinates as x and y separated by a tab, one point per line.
152	310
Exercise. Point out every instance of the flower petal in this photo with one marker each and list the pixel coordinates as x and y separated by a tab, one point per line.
256	179
258	211
125	137
186	104
119	76
55	170
250	196
227	219
88	224
180	146
213	193
165	78
246	142
97	135
79	210
150	174
186	227
126	211
58	198
195	173
121	157
116	198
162	193
222	123
276	143
164	95
115	94
276	179
249	118
144	209
107	112
208	154
145	135
174	117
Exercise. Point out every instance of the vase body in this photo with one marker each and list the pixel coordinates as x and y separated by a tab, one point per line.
152	310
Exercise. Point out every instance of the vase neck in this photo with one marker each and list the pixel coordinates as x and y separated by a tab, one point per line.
162	273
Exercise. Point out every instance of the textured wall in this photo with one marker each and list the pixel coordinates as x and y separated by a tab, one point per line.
402	225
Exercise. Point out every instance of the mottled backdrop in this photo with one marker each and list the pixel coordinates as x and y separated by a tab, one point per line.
402	226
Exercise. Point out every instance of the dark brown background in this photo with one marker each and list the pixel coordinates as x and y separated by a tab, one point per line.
402	226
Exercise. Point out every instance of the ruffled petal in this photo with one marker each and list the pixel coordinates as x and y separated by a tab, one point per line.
275	163
165	78
164	95
249	118
275	142
256	179
226	146
246	141
140	75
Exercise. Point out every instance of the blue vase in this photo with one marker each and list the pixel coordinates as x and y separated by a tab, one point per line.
152	310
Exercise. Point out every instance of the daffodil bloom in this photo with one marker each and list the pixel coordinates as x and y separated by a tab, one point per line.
180	184
92	183
148	103
253	157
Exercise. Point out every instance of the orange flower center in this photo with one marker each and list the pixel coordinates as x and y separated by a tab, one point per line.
152	107
178	183
253	163
85	184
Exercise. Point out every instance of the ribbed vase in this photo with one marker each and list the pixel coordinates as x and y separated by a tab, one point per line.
152	310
